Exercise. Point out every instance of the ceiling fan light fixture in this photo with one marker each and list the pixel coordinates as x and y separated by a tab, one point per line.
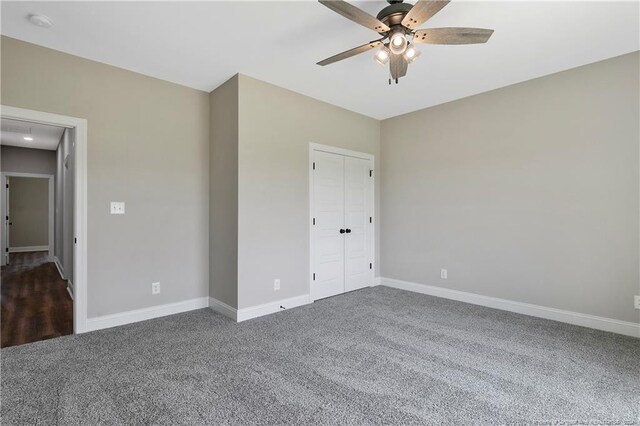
411	54
398	42
382	56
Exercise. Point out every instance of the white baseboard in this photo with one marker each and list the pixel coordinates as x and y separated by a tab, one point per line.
59	267
245	314
376	281
223	308
270	308
26	249
114	320
575	318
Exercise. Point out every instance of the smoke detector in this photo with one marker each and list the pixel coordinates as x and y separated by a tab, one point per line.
40	20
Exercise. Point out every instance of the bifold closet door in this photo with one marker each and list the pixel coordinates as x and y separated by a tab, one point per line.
328	206
358	214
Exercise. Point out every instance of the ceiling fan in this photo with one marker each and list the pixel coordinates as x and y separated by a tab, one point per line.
397	24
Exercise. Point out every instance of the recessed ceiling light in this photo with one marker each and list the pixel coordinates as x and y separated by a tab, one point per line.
28	138
40	20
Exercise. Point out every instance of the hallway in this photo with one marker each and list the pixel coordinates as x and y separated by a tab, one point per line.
35	302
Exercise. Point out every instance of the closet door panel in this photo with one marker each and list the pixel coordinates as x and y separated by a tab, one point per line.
328	206
358	256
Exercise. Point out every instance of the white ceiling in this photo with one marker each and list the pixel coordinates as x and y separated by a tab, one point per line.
44	136
202	44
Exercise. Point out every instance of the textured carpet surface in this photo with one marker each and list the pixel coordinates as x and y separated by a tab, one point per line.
375	356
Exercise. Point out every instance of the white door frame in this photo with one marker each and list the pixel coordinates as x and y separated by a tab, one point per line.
349	153
51	206
80	201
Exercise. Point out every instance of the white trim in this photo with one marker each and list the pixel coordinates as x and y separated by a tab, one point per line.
341	151
59	267
311	207
51	207
69	287
270	308
28	175
575	318
80	200
313	147
376	281
3	212
223	308
115	320
245	314
26	249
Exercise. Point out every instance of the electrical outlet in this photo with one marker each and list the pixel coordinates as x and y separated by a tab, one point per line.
276	284
636	302
443	274
155	288
117	207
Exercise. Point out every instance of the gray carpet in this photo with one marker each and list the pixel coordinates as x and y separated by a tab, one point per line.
375	356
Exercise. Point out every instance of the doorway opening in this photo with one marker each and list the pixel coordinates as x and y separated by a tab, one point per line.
28	208
43	206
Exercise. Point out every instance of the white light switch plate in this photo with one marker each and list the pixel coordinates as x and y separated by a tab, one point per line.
636	302
443	274
117	207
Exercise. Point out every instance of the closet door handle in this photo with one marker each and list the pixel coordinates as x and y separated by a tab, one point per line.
342	231
348	231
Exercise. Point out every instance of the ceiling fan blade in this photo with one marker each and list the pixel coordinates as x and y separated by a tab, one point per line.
452	36
356	15
422	11
398	66
351	52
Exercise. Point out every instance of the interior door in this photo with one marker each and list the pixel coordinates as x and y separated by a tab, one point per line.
7	221
358	218
328	212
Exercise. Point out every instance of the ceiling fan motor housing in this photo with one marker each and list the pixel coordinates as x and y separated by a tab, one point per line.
394	13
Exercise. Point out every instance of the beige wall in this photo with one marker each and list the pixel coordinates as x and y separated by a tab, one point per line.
29	212
27	160
528	193
148	145
223	201
276	126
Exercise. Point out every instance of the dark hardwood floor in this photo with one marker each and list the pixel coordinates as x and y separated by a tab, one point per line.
35	302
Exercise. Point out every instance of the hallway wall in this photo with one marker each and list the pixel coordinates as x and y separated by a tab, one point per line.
29	207
26	160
